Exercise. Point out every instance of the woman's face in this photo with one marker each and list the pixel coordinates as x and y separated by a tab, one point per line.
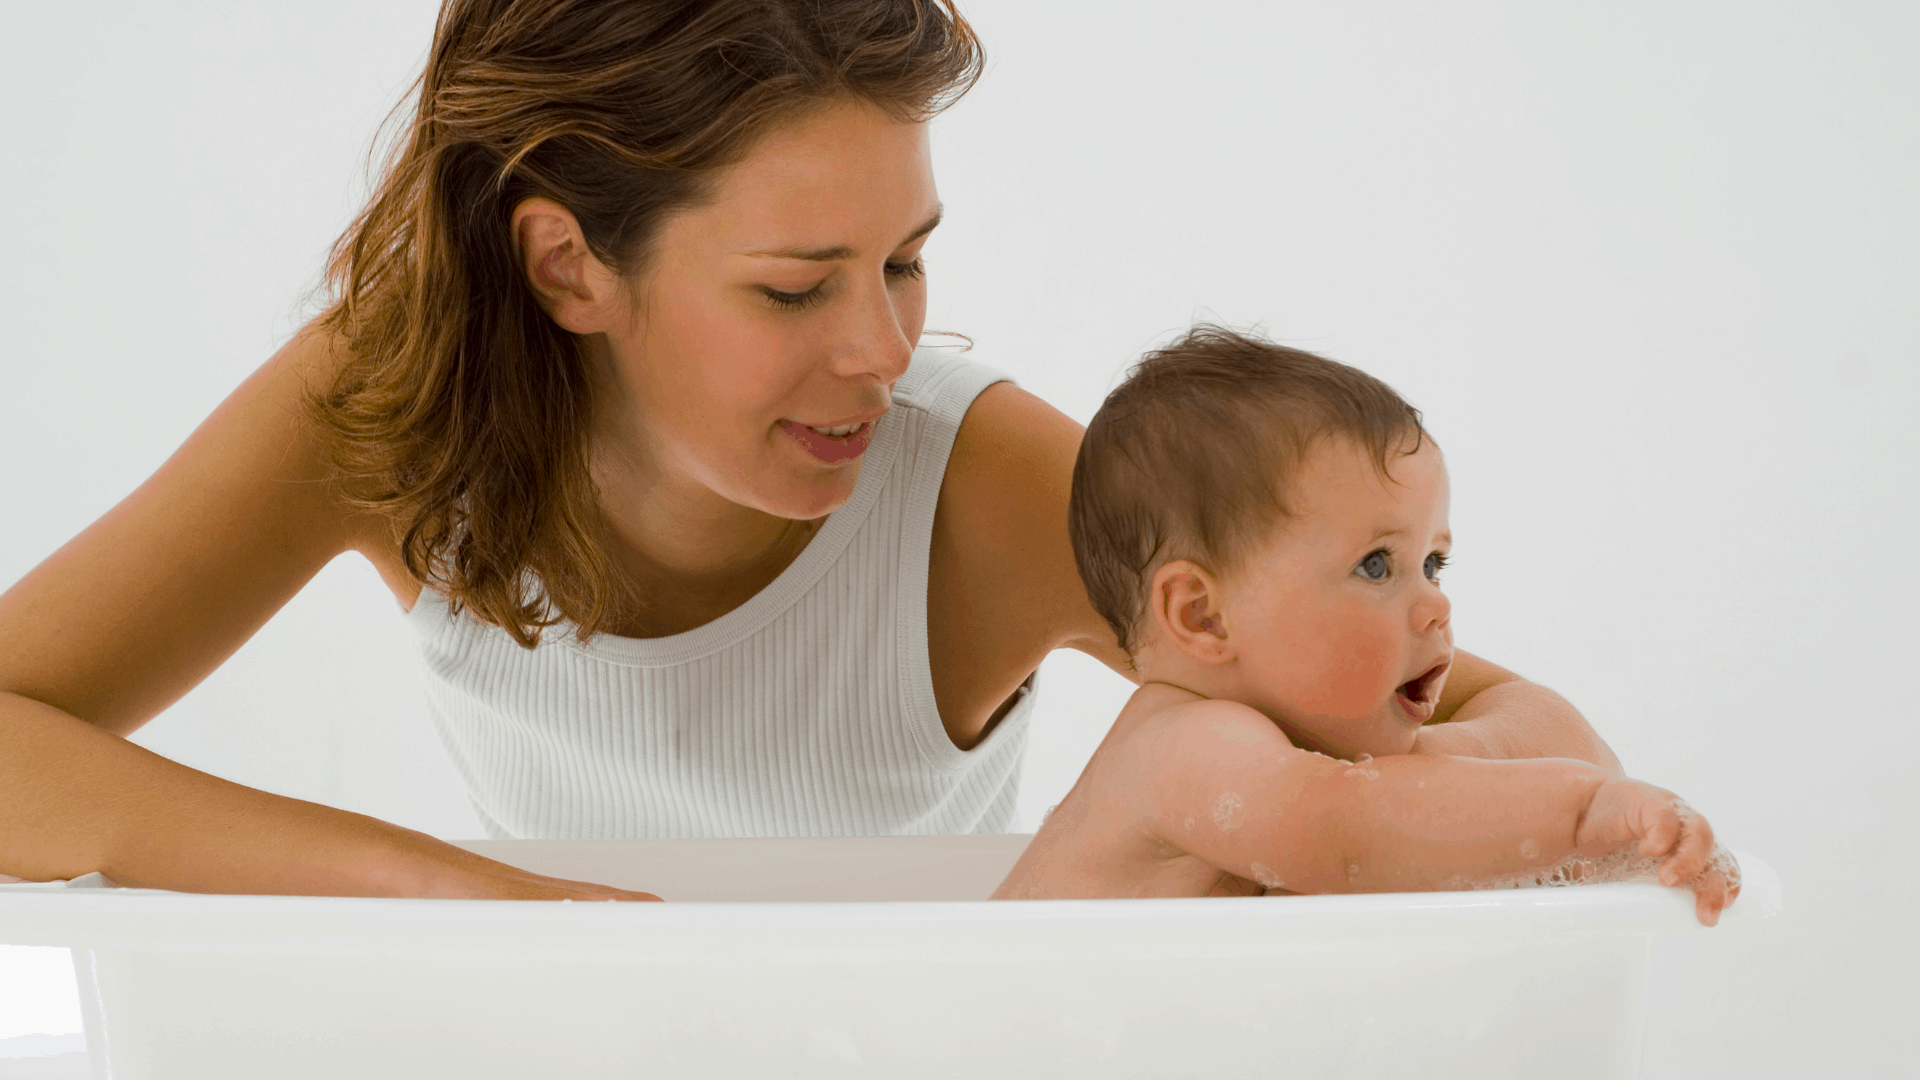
789	301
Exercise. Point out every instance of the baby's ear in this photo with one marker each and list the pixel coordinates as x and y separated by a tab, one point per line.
1184	604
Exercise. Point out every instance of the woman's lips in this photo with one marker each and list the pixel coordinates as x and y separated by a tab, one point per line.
827	448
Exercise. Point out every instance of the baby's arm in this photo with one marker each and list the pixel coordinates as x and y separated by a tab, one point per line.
1233	791
1486	711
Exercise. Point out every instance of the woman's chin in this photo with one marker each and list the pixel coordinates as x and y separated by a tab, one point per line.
812	497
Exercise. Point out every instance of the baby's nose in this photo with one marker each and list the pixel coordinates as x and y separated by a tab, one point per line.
1432	610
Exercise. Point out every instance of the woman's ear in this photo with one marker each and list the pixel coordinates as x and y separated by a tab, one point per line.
572	285
1184	602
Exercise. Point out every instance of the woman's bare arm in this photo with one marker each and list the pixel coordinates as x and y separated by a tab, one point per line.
133	613
137	609
1002	591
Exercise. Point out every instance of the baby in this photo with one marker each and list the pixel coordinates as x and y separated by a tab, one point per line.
1264	529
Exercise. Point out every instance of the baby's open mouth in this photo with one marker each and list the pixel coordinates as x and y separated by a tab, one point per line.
1419	695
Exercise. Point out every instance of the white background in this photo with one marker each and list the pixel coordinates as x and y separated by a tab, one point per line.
1649	268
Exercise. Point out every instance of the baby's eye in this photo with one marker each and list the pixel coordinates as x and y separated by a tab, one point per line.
1375	567
1436	562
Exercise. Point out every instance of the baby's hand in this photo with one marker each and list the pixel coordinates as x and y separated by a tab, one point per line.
1660	823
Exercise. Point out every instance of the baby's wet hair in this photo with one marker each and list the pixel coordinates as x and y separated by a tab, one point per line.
1191	455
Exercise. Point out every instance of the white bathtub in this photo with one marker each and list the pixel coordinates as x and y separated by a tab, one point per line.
859	958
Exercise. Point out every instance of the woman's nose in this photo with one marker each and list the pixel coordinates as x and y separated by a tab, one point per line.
874	343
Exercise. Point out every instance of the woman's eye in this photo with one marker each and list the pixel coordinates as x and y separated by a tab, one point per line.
1375	566
795	301
786	301
1436	562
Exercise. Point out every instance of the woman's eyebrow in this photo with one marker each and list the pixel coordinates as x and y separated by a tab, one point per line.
835	254
925	227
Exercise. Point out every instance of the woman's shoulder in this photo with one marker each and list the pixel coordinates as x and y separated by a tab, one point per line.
1003	519
270	429
305	370
269	432
320	354
266	434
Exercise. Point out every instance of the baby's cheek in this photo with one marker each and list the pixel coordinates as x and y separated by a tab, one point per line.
1354	671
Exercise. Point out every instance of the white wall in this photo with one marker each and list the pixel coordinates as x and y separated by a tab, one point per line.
1649	268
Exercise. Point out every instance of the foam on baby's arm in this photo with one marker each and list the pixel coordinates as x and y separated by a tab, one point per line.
1239	795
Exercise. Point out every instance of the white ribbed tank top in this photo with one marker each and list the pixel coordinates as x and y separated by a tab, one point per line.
807	711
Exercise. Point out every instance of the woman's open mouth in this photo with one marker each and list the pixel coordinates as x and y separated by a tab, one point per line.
1420	696
831	445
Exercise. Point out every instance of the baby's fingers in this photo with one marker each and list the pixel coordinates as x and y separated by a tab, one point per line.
1693	849
1717	887
1709	898
1658	836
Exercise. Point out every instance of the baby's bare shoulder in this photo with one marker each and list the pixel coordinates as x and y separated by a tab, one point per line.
1211	726
1192	735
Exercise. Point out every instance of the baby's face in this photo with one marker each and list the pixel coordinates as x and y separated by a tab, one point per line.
1340	628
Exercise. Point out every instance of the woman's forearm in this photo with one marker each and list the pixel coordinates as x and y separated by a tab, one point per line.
75	799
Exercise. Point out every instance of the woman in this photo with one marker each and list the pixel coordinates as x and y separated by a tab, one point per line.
620	395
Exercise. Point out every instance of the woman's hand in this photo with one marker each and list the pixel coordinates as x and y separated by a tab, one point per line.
477	877
453	873
512	883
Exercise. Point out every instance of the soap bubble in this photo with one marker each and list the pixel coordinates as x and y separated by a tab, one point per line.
1623	865
1266	877
1226	811
1723	861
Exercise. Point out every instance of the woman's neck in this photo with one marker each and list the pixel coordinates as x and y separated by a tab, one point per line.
687	555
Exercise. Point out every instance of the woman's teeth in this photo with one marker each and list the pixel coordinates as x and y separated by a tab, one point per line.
839	432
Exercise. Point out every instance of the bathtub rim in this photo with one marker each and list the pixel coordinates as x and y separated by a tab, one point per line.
156	920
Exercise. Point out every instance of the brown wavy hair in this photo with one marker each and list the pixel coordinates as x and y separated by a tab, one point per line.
461	411
1190	457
